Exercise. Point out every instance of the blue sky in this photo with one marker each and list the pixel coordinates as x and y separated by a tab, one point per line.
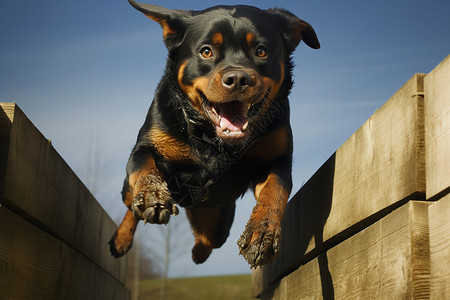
85	71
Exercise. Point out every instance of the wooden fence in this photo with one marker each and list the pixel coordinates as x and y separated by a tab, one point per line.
374	221
53	234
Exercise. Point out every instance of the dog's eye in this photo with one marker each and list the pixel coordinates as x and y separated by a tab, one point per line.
206	52
261	51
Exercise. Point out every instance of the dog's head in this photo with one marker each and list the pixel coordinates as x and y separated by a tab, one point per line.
232	62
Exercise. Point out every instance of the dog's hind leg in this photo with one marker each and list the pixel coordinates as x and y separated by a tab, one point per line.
122	239
211	227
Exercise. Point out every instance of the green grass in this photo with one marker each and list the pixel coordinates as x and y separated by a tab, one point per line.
201	288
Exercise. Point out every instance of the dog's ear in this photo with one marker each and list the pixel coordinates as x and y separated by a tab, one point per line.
171	21
294	29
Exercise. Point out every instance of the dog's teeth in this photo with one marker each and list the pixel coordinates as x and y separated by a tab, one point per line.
245	126
222	125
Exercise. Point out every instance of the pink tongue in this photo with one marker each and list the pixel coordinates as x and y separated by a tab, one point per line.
232	116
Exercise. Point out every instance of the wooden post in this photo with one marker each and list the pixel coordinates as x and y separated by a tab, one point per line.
437	140
54	234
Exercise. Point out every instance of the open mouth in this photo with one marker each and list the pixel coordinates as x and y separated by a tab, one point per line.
230	118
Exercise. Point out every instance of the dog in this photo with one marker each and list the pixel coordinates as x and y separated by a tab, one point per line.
218	126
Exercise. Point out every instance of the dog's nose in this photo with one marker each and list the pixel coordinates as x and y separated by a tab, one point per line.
236	79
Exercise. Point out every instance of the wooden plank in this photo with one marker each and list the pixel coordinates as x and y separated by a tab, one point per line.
440	248
41	186
257	282
36	265
388	260
437	129
30	259
6	118
379	167
383	162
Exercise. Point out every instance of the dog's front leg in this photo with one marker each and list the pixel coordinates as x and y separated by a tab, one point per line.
259	243
147	197
152	201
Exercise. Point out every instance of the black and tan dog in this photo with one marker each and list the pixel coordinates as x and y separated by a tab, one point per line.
218	125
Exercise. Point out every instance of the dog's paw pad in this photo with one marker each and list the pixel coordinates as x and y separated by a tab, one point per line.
153	203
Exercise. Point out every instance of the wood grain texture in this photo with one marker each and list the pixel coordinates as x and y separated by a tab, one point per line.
383	162
38	184
36	265
437	129
440	248
379	167
6	119
387	260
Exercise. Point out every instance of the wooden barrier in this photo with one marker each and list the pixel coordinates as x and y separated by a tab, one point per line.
365	225
53	234
437	141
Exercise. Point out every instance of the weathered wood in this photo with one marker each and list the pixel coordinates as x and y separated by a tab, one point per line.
340	239
36	265
6	119
388	260
440	248
378	168
437	130
37	183
257	282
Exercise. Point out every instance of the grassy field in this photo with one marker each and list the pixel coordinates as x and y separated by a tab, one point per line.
200	288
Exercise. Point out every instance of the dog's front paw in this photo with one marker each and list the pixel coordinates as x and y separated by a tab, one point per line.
259	243
153	202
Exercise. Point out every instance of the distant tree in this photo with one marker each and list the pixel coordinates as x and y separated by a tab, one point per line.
146	266
168	235
167	243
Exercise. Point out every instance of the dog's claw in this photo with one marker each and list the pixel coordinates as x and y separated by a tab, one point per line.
135	208
149	215
174	210
157	215
164	216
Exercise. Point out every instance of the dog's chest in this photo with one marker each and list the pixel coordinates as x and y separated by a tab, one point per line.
200	186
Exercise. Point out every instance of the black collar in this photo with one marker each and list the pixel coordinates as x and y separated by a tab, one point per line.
199	129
